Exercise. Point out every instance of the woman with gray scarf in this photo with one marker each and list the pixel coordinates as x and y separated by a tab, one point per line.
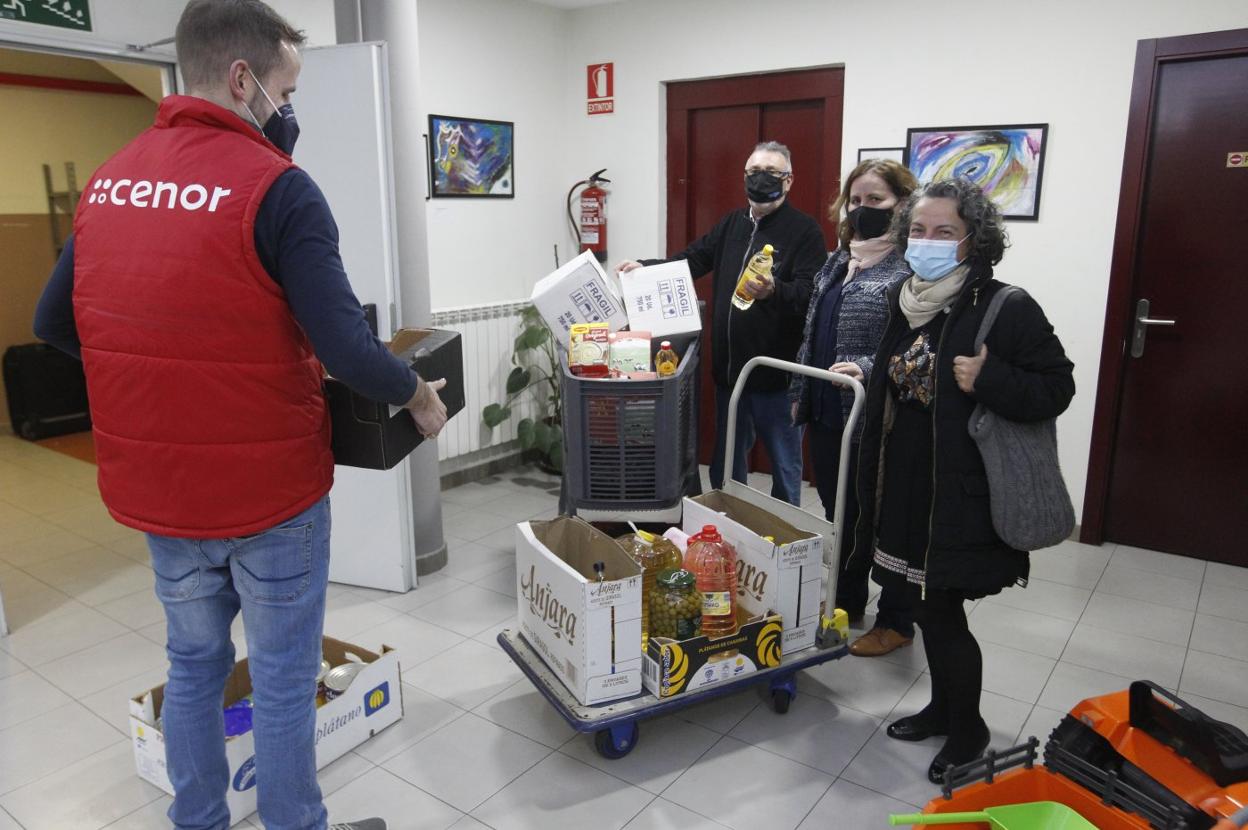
924	507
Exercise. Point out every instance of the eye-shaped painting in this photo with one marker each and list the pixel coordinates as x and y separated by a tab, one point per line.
1006	162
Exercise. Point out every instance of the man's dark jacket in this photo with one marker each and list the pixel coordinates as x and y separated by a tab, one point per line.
773	326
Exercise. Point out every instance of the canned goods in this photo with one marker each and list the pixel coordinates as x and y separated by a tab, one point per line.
320	677
339	678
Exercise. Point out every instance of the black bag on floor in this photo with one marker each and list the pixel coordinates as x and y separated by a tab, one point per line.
47	391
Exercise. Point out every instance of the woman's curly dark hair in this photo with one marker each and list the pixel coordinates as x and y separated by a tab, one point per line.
983	218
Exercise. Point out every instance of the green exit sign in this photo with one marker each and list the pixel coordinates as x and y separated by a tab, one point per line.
67	14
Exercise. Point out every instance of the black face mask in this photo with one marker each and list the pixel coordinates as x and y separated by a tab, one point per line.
763	187
869	222
282	129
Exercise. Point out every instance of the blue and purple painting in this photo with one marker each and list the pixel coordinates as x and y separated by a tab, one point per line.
1006	162
471	157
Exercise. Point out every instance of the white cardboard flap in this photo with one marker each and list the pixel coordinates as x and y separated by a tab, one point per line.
660	299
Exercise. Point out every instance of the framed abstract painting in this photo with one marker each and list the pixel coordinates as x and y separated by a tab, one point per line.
897	154
1007	161
471	157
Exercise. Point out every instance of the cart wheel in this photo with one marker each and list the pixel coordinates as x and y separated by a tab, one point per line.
617	741
780	700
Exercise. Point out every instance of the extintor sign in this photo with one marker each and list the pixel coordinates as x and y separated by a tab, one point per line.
600	88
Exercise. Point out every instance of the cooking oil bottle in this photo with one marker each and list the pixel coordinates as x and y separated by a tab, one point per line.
714	563
758	268
665	361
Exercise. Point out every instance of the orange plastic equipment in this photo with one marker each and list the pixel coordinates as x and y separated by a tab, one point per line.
1110	716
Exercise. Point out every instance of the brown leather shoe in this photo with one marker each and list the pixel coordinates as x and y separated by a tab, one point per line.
878	642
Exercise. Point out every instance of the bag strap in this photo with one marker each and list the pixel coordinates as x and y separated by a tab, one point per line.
990	316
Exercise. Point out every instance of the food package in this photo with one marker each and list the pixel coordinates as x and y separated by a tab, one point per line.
588	351
630	352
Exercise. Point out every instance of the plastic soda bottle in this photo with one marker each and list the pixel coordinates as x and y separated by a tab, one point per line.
714	563
665	361
758	268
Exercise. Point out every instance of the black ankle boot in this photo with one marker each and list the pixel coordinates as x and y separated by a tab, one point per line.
915	728
964	751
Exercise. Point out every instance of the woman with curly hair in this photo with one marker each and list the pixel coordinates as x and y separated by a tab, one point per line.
923	494
844	322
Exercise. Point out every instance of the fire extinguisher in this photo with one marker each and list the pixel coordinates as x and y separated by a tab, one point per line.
591	231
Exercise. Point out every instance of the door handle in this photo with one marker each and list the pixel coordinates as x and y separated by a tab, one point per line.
1140	331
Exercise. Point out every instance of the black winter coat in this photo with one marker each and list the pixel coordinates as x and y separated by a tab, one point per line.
770	327
1027	377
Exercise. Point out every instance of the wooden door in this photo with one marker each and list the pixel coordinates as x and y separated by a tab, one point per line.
1177	473
712	126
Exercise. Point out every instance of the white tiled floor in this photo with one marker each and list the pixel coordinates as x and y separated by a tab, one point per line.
479	747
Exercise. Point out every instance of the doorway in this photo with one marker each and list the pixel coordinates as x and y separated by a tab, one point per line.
711	128
64	116
1169	468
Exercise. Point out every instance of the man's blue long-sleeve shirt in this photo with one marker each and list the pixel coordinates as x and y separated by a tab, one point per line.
297	241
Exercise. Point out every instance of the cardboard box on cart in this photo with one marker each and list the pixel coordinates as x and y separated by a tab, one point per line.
373	701
588	632
673	667
784	575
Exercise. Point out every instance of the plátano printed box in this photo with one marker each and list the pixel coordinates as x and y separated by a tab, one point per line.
373	701
588	631
783	575
673	667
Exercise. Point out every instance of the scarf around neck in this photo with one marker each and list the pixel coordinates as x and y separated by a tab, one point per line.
921	300
863	253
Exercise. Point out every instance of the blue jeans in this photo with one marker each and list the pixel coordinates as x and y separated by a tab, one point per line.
766	416
277	579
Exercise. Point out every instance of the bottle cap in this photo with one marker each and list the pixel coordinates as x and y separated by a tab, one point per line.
666	344
646	537
710	533
768	250
676	578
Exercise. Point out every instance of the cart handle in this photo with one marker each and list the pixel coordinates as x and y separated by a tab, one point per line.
838	515
938	818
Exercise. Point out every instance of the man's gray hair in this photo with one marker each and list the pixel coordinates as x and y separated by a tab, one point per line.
775	147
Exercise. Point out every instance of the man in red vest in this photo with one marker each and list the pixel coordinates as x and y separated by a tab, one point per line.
203	290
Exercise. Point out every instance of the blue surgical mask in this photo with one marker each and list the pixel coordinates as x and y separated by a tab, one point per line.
931	259
281	129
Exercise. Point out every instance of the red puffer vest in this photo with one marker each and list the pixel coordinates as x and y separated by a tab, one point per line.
205	394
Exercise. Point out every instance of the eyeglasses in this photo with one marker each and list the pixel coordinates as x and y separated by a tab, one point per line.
750	171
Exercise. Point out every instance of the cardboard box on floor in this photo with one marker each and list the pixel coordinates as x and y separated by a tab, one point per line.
588	632
376	436
785	575
373	701
578	292
673	667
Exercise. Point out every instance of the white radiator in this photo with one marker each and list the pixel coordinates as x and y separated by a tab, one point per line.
488	333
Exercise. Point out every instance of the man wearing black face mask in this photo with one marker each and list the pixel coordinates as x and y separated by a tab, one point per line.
203	290
772	326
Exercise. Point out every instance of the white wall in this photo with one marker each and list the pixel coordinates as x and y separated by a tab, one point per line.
906	64
121	22
502	60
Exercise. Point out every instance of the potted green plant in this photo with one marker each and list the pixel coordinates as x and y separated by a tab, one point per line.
536	372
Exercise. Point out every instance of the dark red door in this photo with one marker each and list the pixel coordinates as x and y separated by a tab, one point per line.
1178	476
711	128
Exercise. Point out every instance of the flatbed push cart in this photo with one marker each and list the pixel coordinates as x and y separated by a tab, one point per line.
615	725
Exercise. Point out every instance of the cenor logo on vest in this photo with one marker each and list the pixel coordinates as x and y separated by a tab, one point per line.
146	194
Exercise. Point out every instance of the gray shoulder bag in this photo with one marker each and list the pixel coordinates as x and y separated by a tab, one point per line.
1031	508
